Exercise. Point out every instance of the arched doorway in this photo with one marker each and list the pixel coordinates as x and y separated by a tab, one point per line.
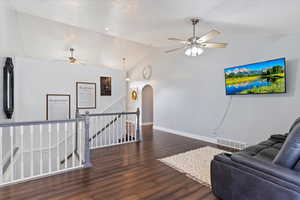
147	105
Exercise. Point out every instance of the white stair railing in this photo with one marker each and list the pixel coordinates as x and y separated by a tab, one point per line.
34	149
30	150
111	127
108	129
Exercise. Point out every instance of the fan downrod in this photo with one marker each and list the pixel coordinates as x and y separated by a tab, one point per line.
195	21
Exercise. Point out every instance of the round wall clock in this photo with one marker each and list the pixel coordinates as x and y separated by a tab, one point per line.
147	72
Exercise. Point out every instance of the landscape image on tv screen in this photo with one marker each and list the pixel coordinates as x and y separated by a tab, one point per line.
258	78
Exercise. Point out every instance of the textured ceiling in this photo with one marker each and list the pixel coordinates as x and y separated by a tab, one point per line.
151	22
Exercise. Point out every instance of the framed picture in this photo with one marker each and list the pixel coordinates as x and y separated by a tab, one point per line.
105	83
85	95
58	106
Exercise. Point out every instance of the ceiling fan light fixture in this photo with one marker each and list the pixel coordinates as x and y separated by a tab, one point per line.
193	50
188	51
200	51
72	60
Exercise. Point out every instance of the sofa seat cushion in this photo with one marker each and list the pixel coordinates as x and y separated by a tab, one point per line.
278	146
266	150
269	143
267	154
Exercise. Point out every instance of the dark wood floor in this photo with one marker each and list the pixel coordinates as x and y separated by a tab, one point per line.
128	172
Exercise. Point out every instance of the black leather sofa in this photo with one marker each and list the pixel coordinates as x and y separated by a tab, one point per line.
267	171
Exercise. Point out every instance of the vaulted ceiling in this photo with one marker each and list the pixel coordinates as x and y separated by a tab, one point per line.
151	22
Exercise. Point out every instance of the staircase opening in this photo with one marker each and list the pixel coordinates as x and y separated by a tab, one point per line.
147	105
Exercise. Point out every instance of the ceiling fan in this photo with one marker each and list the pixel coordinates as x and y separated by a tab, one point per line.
72	59
194	45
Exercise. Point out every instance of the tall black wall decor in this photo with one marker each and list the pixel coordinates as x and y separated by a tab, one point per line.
8	88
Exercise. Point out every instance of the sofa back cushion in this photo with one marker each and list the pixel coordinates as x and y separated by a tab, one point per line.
289	154
297	166
294	124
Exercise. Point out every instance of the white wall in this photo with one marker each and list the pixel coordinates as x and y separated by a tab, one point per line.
189	93
37	78
8	36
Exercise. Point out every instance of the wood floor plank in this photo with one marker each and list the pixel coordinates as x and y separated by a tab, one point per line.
127	172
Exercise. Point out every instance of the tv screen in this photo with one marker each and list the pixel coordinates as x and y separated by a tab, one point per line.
259	78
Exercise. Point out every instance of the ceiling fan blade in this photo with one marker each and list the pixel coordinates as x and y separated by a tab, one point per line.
178	40
213	45
172	50
208	36
60	60
82	62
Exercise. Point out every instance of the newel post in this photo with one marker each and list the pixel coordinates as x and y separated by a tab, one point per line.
87	151
138	130
77	116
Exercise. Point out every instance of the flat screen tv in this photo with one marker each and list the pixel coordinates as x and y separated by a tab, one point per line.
258	78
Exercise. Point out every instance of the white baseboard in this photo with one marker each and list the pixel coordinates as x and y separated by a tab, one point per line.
185	134
147	123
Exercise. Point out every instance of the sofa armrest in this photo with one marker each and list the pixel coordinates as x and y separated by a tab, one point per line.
268	168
